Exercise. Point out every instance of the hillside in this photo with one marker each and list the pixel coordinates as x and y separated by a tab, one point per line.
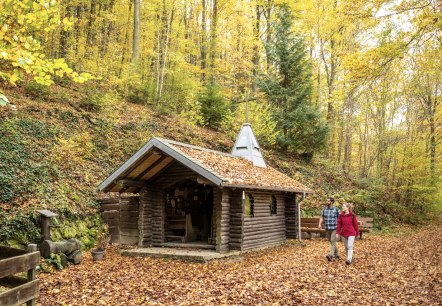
60	143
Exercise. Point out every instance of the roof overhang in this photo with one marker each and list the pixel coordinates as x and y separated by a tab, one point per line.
140	162
289	190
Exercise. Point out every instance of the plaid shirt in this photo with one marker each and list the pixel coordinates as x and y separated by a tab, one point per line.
330	216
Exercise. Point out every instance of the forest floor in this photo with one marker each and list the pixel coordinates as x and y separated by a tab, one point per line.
393	269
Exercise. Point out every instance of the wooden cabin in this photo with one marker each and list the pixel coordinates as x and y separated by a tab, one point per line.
173	192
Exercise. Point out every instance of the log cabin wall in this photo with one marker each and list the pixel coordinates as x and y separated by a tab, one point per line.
291	216
110	211
264	229
236	219
129	214
215	216
145	219
157	216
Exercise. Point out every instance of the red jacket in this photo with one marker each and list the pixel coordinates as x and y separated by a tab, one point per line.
347	225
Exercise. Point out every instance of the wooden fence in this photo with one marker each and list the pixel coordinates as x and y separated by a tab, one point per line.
22	290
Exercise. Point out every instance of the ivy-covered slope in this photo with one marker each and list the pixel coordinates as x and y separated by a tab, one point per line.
59	144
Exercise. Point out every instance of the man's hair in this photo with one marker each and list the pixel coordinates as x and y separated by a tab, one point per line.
331	199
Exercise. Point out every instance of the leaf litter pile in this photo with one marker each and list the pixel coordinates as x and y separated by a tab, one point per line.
387	270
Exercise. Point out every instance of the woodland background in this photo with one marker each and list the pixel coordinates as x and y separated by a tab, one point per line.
345	96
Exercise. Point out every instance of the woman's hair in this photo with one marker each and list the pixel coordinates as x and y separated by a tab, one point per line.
349	205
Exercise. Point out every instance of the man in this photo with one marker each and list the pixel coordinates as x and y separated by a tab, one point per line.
330	216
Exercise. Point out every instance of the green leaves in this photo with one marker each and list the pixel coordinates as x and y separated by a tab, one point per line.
288	88
213	105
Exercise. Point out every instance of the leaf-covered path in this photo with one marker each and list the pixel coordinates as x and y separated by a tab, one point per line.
387	270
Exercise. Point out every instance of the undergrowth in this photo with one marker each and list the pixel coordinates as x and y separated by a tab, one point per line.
55	154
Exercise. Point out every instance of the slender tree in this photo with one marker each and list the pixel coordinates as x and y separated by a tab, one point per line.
136	34
288	87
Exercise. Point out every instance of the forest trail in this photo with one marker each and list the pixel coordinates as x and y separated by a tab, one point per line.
394	269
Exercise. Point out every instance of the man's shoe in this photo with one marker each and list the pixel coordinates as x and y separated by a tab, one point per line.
348	262
329	258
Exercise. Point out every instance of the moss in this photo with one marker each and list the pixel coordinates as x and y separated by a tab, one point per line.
84	229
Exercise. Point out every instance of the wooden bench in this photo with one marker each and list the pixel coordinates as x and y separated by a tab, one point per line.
310	225
180	228
176	227
365	225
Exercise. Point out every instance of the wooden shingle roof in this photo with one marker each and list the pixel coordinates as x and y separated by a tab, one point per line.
221	169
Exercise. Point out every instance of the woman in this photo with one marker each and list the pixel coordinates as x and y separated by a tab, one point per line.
348	229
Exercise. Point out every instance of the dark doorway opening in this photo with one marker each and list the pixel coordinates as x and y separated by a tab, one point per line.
188	212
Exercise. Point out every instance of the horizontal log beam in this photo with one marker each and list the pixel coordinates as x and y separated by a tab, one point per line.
20	294
132	183
21	263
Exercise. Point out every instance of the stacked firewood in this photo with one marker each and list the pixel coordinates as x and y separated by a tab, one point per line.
68	250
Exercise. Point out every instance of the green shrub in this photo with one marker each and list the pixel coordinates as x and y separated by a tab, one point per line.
138	94
37	91
213	106
18	231
92	103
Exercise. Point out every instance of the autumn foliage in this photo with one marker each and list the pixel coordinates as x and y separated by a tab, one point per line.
404	269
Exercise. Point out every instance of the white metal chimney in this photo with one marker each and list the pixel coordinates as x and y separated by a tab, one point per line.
247	146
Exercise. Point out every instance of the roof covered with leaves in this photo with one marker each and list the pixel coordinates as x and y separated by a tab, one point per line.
238	171
221	169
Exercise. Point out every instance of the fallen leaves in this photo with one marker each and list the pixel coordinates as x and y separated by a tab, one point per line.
240	171
387	270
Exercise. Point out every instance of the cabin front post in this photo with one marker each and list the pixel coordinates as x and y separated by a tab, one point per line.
222	221
145	218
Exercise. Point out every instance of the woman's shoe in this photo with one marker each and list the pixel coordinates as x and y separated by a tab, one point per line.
348	262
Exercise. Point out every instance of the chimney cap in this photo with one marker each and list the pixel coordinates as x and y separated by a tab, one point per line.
248	147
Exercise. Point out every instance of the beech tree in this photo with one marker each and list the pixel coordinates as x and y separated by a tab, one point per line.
21	50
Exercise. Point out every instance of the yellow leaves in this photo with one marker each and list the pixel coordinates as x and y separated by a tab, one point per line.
387	270
22	51
74	149
81	78
68	23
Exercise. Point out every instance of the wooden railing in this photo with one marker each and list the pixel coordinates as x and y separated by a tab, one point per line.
22	289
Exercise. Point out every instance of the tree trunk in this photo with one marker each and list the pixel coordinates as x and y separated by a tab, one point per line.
136	33
66	247
268	17
203	41
255	58
76	257
126	42
213	38
90	38
166	50
64	36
